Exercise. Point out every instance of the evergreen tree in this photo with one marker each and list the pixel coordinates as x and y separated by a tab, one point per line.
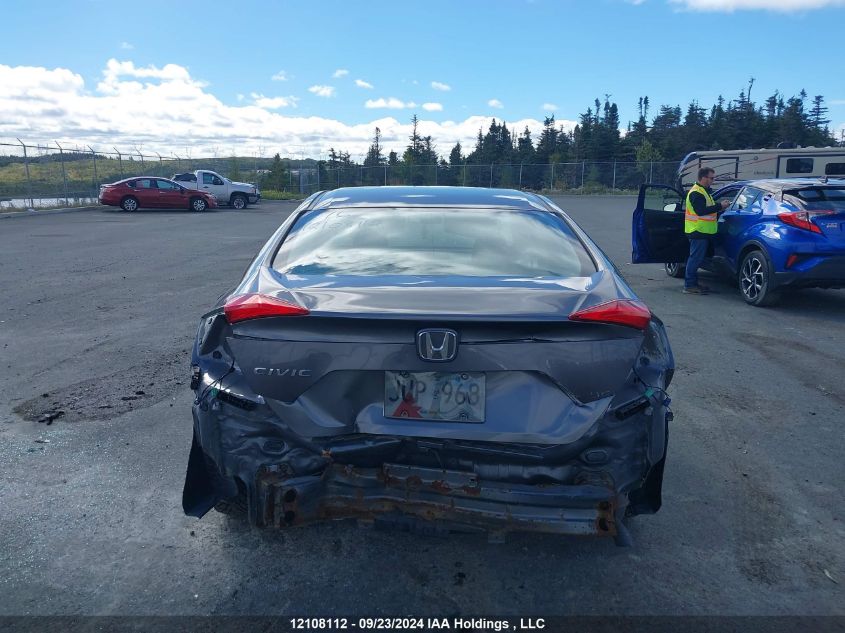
695	126
455	157
374	156
416	141
583	145
373	160
279	177
526	156
605	145
793	123
392	165
817	118
547	143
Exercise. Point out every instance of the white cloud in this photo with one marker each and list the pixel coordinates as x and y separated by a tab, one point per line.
170	76
550	107
165	109
432	107
240	97
272	103
837	102
441	86
783	6
391	103
495	103
340	72
126	46
322	91
282	75
363	84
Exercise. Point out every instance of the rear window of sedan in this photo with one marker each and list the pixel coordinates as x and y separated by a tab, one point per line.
433	241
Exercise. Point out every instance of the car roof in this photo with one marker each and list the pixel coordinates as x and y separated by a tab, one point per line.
467	197
140	177
778	185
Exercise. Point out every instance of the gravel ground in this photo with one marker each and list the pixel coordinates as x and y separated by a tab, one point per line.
98	315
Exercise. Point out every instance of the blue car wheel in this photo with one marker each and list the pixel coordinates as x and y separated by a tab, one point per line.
756	281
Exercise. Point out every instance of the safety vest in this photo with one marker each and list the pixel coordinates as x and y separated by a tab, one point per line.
701	223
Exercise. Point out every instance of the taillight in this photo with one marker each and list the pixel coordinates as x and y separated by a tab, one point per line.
258	306
625	312
803	219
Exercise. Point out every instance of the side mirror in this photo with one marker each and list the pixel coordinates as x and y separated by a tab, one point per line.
671	207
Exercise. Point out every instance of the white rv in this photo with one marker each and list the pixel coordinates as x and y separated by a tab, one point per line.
755	164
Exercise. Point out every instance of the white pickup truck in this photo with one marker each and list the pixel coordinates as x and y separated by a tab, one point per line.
236	194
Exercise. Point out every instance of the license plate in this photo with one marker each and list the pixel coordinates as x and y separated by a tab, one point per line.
434	395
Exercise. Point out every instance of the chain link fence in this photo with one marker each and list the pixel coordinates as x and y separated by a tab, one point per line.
54	175
571	177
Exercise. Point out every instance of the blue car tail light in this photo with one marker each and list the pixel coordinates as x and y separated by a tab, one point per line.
803	219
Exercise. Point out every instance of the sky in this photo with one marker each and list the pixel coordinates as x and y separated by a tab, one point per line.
252	78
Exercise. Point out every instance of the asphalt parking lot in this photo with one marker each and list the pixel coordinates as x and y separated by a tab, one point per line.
97	320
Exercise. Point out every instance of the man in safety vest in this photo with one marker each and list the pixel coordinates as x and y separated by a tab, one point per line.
701	215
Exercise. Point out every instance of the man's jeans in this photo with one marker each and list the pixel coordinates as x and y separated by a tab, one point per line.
697	252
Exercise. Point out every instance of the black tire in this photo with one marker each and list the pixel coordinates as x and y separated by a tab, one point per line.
756	282
675	270
198	204
238	201
129	204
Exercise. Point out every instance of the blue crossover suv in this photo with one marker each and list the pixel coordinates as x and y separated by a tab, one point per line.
775	235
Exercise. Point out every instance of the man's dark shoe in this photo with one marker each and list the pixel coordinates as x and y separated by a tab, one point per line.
695	290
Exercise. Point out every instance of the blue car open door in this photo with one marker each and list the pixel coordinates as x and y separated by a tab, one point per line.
658	227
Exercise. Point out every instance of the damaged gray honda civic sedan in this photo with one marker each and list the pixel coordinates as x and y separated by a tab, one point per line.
433	359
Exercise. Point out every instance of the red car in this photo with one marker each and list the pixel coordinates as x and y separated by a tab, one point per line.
145	192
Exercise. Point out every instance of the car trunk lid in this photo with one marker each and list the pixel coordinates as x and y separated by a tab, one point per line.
547	378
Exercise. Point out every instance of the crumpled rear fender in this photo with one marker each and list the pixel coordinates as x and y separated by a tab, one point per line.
204	485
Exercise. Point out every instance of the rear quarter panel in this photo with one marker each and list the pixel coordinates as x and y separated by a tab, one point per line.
780	240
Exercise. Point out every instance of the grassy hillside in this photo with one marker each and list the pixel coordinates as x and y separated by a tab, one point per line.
85	174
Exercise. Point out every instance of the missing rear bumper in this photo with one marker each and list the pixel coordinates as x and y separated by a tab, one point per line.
456	499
